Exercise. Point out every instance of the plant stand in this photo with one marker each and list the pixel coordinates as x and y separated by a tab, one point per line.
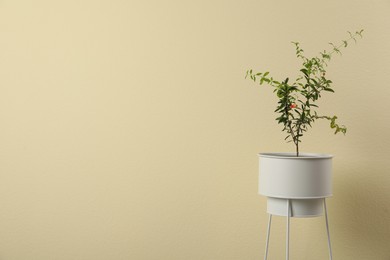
295	187
289	215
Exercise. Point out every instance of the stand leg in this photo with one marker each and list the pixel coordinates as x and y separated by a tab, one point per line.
268	233
327	230
288	230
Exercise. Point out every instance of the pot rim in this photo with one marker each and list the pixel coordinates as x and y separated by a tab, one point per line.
302	156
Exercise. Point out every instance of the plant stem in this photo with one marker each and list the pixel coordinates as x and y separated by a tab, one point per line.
352	37
297	142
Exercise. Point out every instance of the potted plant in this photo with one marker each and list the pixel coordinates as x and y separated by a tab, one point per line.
297	184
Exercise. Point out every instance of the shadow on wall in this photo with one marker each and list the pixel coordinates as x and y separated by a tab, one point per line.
361	213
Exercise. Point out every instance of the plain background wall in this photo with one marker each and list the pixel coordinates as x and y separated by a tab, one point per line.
128	131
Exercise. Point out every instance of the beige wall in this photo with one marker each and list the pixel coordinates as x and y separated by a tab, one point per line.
129	132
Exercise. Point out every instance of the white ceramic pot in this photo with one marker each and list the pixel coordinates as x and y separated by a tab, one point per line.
305	181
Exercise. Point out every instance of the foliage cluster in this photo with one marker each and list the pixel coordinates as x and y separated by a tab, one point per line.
297	109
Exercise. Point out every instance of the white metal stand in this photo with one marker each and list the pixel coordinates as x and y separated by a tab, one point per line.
268	233
288	230
289	209
327	230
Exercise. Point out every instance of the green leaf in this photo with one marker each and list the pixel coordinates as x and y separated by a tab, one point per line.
261	81
247	72
337	50
304	71
329	90
266	80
